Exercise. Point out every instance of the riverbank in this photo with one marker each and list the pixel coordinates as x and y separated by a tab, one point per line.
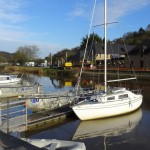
68	73
74	72
123	72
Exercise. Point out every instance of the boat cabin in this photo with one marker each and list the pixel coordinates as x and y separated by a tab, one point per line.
114	95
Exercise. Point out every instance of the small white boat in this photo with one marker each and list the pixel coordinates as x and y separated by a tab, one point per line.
9	79
108	127
52	144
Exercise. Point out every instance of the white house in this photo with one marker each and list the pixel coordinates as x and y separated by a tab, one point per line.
31	64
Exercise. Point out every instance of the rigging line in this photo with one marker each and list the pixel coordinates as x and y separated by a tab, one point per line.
90	51
118	61
118	52
79	79
114	61
99	74
92	68
131	66
133	70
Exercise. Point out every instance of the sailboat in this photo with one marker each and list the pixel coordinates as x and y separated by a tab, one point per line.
113	101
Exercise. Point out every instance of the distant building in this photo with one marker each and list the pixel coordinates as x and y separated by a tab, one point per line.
139	57
120	55
43	64
31	64
115	54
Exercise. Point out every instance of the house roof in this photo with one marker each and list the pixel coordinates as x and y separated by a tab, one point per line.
144	48
113	48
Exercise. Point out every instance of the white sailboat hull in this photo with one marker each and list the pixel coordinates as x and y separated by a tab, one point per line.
94	110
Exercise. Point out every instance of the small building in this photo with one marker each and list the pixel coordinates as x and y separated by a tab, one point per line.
30	64
139	57
116	54
100	58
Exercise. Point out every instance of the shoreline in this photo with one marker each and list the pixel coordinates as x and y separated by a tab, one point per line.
74	72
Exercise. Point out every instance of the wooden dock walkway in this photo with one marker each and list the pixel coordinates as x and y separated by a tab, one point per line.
30	123
15	116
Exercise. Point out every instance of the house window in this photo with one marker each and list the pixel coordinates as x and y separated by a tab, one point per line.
141	64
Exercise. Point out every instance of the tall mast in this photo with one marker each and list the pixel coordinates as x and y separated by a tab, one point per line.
105	46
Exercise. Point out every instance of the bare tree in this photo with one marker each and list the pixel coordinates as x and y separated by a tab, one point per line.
26	54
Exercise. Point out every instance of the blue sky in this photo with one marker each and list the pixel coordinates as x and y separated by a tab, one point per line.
53	25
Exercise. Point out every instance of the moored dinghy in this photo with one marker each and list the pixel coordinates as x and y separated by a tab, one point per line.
9	79
52	144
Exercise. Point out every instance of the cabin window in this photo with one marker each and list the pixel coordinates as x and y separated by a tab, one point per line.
123	96
111	98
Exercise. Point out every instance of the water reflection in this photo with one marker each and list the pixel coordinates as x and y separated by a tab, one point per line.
51	84
93	132
108	127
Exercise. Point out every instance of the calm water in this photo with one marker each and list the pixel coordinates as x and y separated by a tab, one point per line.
126	132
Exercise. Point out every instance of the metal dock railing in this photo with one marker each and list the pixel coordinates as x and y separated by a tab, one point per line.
15	115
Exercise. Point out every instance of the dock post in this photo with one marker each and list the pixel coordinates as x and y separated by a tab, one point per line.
7	116
0	115
26	115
